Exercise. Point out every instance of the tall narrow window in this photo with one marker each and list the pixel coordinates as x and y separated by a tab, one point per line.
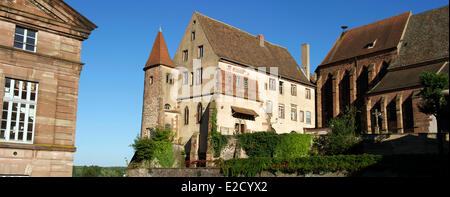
308	117
294	112
281	87
272	84
151	80
193	35
199	113
169	78
19	111
238	82
185	55
281	111
293	90
192	78
245	83
199	76
308	93
186	115
302	116
200	51
25	39
185	78
269	107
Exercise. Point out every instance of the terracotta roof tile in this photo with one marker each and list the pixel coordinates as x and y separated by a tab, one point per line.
234	44
354	42
160	54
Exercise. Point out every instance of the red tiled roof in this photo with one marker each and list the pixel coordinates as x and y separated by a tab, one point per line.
352	43
160	54
233	44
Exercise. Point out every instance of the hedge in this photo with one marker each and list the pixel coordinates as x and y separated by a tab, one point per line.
270	144
353	165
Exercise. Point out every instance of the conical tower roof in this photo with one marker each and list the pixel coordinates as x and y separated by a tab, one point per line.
160	54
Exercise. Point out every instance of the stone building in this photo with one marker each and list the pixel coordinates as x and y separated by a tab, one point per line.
40	49
376	67
256	86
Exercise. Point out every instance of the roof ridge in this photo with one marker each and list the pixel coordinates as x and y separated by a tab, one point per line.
195	12
379	21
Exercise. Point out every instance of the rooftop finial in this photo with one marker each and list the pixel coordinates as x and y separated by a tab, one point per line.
160	30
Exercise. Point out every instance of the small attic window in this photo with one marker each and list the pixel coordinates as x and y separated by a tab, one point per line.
371	45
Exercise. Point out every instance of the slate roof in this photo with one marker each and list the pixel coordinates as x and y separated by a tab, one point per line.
352	43
160	54
424	48
233	44
426	38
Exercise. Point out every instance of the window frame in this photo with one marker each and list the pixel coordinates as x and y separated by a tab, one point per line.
186	115
200	52
11	99
293	112
308	93
185	78
199	113
281	85
25	36
281	111
272	84
302	116
293	90
185	55
308	120
199	73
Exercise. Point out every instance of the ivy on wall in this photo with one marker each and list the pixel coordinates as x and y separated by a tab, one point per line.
270	144
217	140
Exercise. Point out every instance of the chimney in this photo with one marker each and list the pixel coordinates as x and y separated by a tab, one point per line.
305	60
261	40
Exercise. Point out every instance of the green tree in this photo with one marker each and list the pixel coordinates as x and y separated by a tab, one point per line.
162	135
434	102
91	171
343	138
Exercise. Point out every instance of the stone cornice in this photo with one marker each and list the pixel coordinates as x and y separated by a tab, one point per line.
45	24
48	147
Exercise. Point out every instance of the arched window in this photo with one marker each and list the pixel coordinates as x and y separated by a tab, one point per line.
199	112
167	107
186	115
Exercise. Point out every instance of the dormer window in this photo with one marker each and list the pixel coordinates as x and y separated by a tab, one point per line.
371	45
25	39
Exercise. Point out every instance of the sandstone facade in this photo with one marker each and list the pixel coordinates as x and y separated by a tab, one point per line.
55	67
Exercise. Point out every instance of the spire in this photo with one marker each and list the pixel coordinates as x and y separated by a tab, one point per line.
160	30
160	54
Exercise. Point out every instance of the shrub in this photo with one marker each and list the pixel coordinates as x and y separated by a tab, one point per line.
343	138
158	147
163	151
270	144
293	145
301	165
259	144
163	135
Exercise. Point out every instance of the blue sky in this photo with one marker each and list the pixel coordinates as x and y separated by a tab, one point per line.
112	80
